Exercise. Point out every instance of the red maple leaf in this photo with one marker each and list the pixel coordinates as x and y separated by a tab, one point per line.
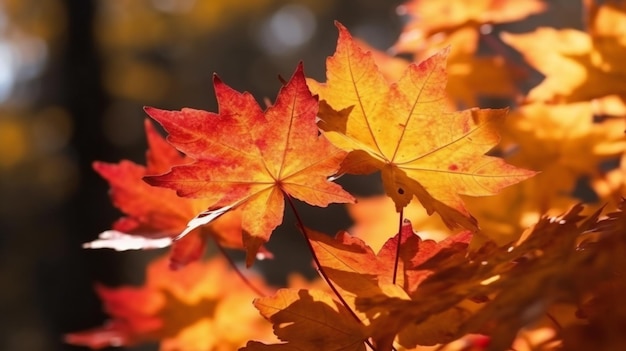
249	159
154	216
196	308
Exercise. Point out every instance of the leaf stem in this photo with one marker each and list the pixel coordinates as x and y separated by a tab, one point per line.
396	263
554	321
319	265
238	271
316	259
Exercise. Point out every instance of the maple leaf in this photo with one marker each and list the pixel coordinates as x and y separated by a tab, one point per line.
563	142
349	263
404	131
602	308
154	216
195	308
357	270
309	320
577	66
358	273
429	17
518	282
415	252
354	271
249	159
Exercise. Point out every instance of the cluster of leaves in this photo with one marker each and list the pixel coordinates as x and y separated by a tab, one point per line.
525	268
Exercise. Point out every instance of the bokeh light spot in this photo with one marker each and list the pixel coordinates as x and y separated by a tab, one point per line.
13	143
287	29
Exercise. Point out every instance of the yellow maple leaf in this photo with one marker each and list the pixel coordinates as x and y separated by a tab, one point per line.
433	16
406	131
578	66
563	142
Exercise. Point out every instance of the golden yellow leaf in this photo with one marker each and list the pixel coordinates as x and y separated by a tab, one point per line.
578	66
406	131
563	142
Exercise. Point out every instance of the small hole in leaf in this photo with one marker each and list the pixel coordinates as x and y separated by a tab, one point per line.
400	191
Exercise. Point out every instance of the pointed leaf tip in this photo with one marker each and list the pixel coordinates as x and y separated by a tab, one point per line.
341	27
217	79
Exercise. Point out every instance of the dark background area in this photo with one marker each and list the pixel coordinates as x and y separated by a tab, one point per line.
74	76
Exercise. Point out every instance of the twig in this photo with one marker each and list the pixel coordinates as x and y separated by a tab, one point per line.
237	270
319	265
395	267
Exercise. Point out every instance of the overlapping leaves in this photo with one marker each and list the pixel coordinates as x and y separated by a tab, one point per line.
416	292
195	308
154	216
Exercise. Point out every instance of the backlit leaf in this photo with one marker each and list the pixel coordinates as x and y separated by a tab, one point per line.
155	216
405	131
198	307
309	320
249	159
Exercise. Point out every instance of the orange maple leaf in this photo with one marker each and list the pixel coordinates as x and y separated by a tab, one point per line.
429	17
405	131
251	159
358	273
349	263
577	65
309	320
195	308
415	252
563	142
156	215
509	281
357	270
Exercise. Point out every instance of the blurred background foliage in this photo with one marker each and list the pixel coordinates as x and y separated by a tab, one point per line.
74	76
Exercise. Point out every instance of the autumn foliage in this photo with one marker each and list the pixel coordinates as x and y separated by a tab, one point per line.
479	241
